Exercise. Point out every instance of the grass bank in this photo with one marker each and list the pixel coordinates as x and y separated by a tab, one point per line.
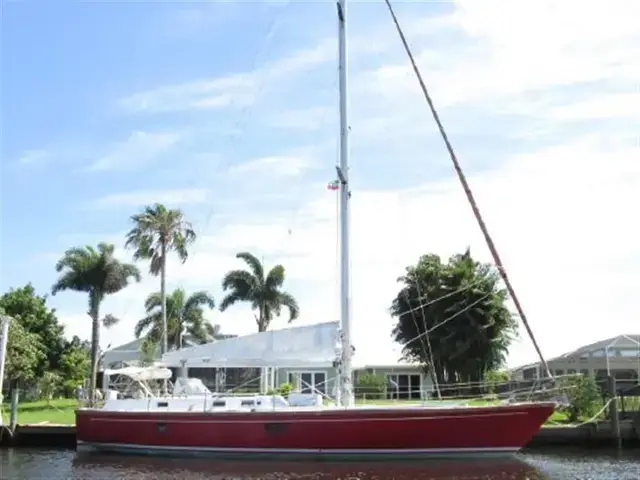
61	411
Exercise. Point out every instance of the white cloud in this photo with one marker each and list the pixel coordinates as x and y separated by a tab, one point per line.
237	90
612	105
240	90
137	150
561	212
181	196
512	50
276	166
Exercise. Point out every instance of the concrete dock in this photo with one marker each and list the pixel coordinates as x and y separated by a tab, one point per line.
589	435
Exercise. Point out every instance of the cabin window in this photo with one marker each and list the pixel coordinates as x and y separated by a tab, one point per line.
247	403
162	404
219	403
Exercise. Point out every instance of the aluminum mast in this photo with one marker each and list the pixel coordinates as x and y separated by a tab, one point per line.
345	386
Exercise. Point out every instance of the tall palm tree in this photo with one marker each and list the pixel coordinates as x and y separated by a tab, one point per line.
98	273
185	315
263	292
157	231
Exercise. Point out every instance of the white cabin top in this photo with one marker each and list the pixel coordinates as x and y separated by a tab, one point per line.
141	374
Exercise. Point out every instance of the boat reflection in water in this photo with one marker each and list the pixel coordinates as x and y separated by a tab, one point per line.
135	467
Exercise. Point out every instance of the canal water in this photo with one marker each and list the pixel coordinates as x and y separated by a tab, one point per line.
35	464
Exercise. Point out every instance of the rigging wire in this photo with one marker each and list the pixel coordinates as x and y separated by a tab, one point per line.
426	347
428	342
467	189
442	297
448	319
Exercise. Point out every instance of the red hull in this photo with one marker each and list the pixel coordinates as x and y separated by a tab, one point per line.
500	429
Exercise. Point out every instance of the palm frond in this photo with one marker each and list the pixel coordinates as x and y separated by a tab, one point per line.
287	300
254	264
109	321
275	278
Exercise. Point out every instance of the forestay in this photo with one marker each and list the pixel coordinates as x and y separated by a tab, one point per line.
297	347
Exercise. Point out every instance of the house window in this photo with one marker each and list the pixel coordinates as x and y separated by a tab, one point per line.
585	372
559	373
309	382
404	386
630	352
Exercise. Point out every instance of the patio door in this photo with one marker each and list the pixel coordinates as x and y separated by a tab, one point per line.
308	382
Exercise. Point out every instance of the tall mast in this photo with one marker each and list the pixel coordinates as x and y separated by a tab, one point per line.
345	376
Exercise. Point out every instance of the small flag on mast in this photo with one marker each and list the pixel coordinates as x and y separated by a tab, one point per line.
335	185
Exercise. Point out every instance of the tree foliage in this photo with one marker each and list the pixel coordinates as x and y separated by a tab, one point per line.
452	318
75	365
32	312
148	352
263	292
25	353
157	231
185	316
96	272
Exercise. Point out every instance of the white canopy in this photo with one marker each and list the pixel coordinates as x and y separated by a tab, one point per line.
297	347
141	374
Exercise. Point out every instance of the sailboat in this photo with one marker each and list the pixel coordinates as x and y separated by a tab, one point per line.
197	423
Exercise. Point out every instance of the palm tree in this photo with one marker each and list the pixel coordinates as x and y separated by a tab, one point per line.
185	315
98	273
262	292
157	231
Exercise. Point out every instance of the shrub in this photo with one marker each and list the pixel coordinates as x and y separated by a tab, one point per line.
583	396
494	378
371	386
285	389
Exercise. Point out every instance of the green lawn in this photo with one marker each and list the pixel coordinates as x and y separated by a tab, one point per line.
62	411
59	411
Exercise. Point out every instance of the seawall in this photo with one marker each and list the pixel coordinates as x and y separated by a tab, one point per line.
589	435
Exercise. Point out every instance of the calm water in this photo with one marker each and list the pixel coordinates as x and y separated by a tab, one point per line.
26	464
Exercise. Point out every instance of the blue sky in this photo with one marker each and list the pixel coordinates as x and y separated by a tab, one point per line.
228	111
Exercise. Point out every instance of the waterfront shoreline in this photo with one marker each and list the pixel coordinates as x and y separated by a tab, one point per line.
592	435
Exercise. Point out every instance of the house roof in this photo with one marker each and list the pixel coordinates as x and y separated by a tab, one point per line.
130	352
627	340
299	346
630	340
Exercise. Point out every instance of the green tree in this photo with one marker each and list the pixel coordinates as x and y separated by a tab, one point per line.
24	353
185	315
32	312
75	365
157	231
96	272
263	292
452	318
